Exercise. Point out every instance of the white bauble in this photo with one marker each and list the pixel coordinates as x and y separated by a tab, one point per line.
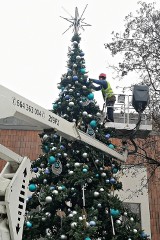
63	237
96	194
73	224
70	172
135	230
55	192
71	104
48	199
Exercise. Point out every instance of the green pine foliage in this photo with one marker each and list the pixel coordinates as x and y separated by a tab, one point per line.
72	193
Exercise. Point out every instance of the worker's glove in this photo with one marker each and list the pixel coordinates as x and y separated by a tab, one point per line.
90	80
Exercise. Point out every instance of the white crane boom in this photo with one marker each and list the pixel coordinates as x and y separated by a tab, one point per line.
15	105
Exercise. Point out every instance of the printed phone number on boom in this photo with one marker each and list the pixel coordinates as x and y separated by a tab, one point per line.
28	108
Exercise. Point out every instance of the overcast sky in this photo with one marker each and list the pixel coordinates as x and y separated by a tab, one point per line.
33	50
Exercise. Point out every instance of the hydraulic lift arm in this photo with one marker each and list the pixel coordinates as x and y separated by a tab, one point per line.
15	105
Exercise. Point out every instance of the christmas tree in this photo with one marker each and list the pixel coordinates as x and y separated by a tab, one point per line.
74	184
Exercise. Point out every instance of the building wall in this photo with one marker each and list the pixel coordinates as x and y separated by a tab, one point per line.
27	143
135	190
23	142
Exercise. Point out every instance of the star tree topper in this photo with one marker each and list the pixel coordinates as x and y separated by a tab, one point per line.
76	21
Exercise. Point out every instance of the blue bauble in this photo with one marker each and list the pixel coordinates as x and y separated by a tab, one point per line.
67	97
75	78
82	70
85	170
114	212
46	171
90	96
143	235
35	169
87	238
51	160
111	146
112	181
81	54
92	223
69	70
93	123
28	224
52	188
32	187
62	147
107	135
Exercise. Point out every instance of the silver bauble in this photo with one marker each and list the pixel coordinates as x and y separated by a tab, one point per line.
70	90
96	194
98	114
99	205
71	104
118	221
74	65
48	199
103	174
74	212
73	224
77	164
84	87
64	154
70	215
84	113
43	219
45	136
48	214
101	189
69	77
131	219
85	155
44	181
70	172
78	57
63	237
54	148
55	192
135	230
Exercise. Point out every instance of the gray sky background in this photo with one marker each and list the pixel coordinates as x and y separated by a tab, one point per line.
33	50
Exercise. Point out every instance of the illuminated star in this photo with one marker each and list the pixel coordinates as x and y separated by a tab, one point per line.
76	22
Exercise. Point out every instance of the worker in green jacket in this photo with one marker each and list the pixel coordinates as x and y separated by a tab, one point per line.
108	95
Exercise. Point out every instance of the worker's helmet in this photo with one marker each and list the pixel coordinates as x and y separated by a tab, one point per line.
102	75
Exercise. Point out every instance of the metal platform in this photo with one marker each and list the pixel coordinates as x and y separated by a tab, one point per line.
126	118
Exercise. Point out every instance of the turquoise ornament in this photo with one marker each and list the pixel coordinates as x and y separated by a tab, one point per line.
114	212
55	105
85	170
93	124
28	224
111	146
51	160
87	238
90	96
32	187
114	170
82	70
